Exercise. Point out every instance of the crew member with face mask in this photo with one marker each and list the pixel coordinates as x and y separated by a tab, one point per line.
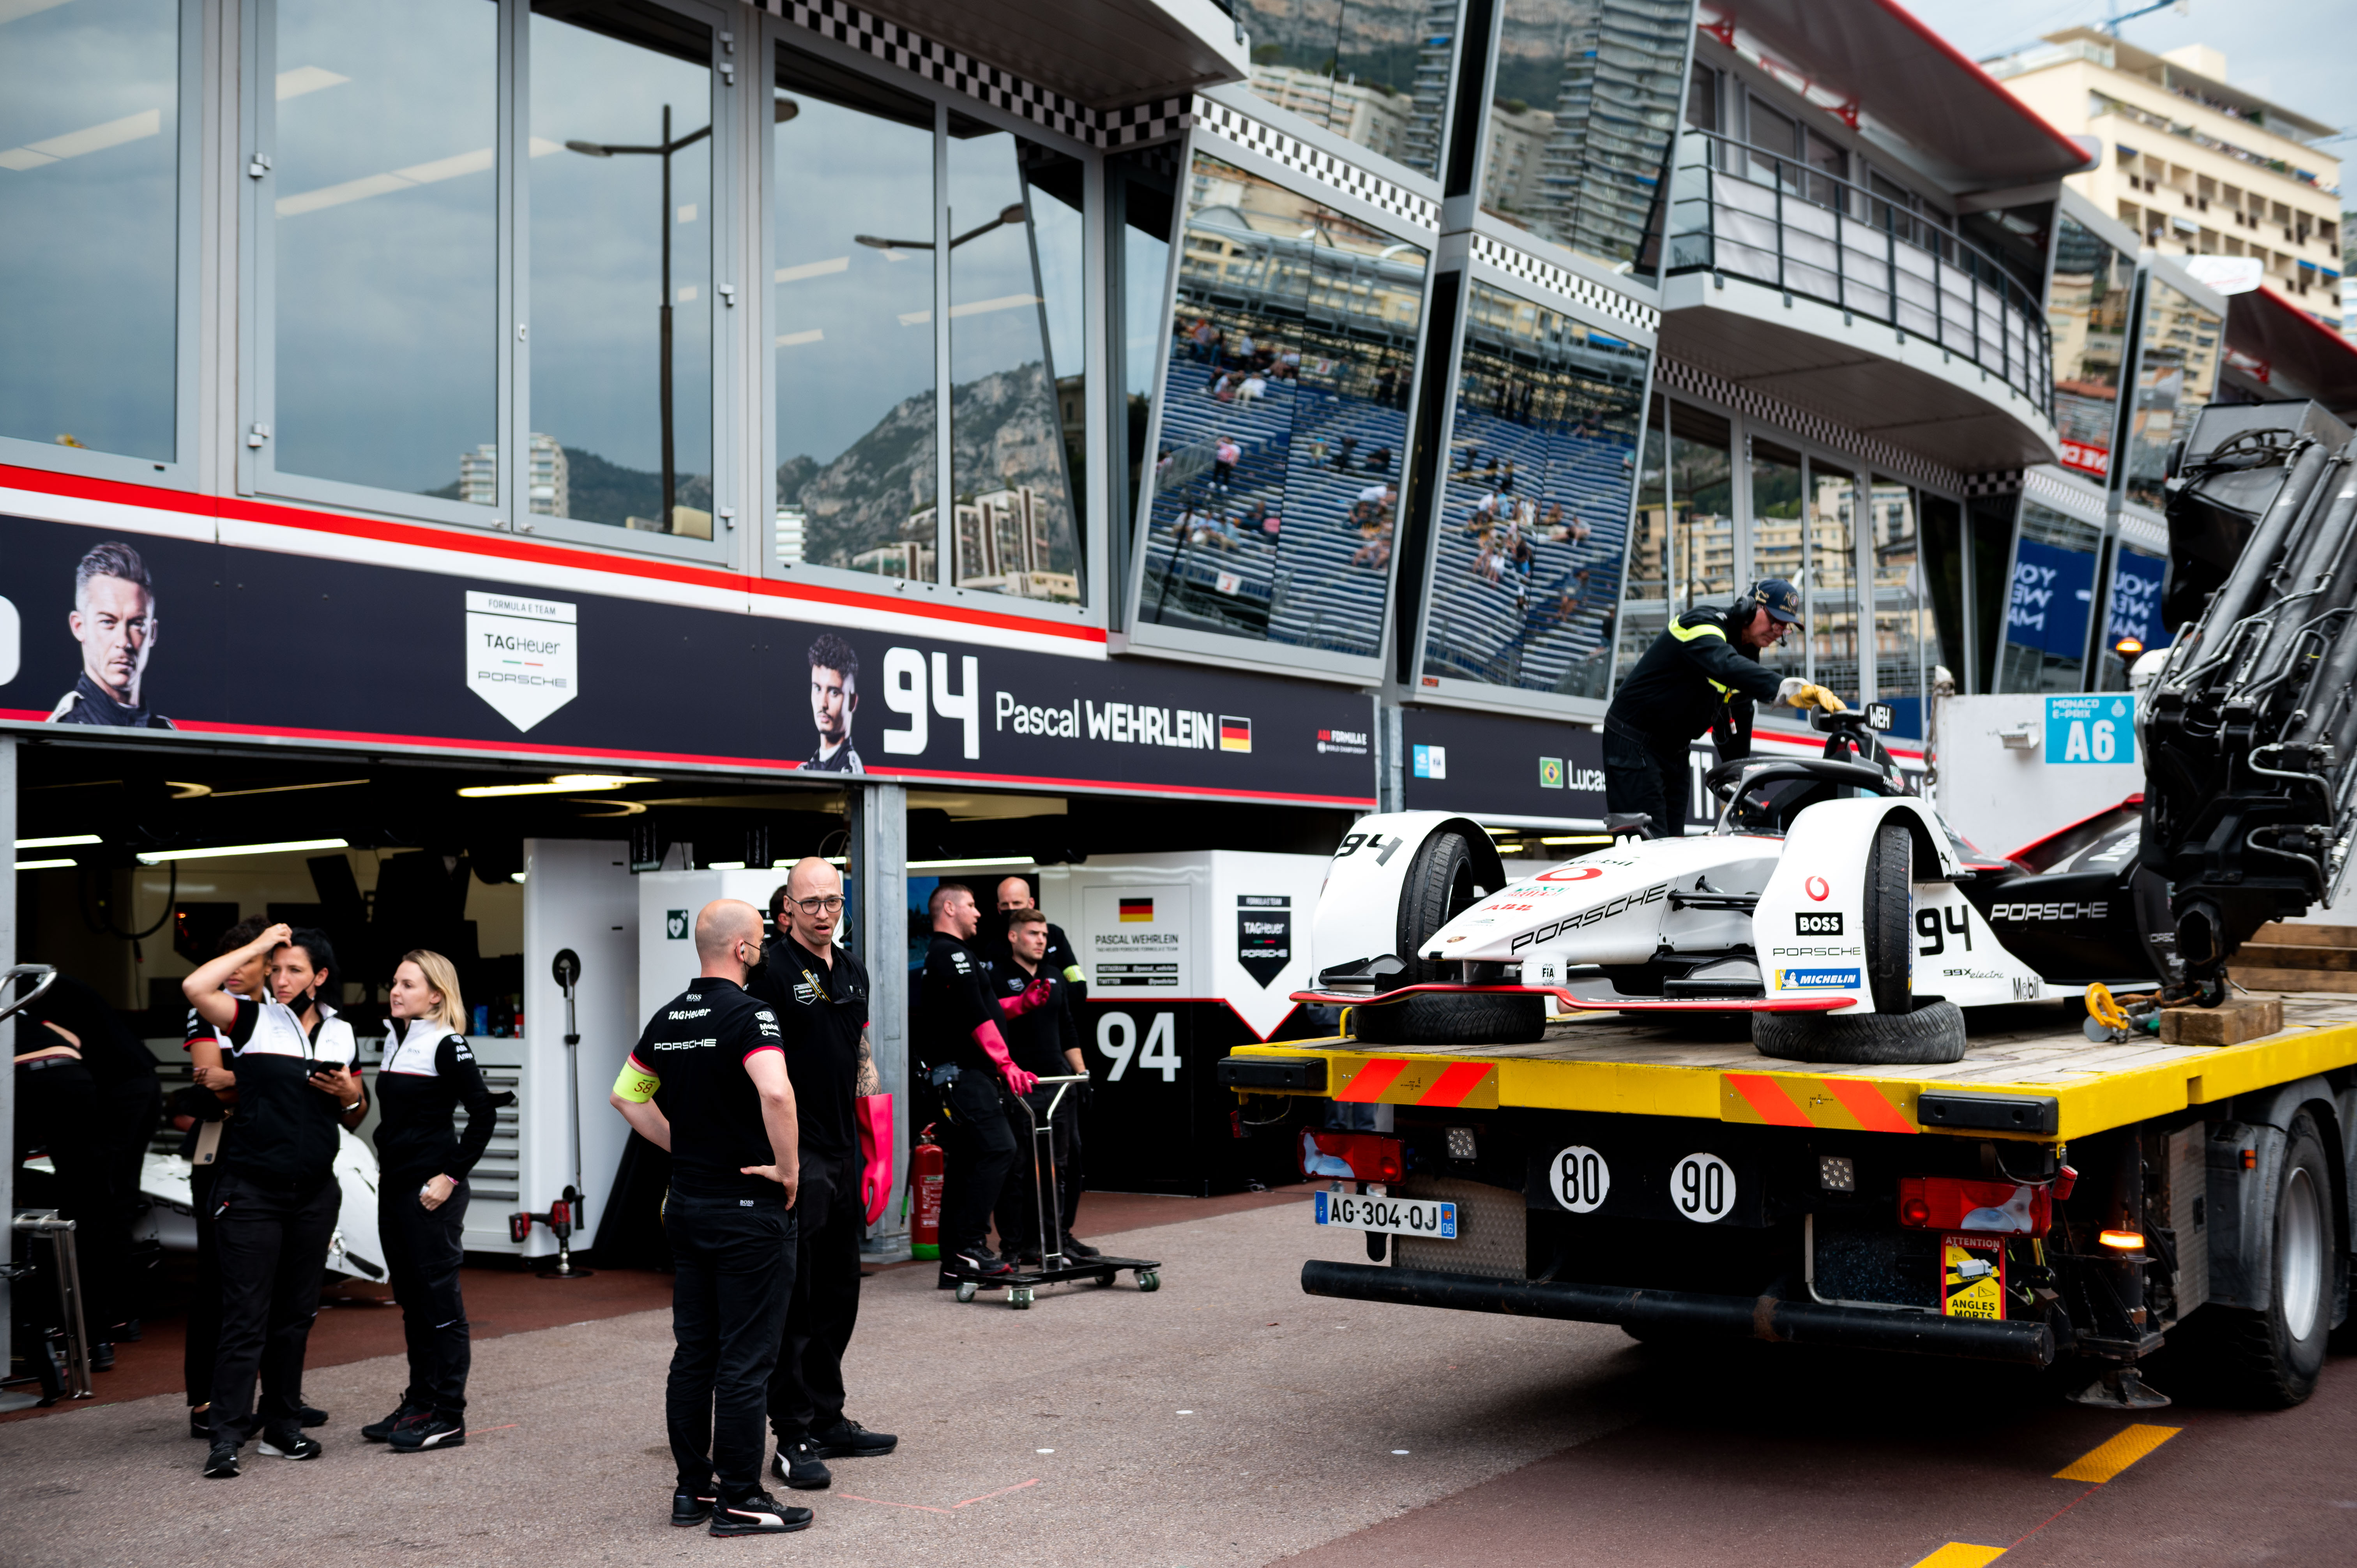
276	1200
422	1192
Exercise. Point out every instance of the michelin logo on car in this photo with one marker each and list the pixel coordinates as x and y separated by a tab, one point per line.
1817	980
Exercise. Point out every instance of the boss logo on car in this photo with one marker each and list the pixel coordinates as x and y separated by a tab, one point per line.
2091	911
1827	923
1652	895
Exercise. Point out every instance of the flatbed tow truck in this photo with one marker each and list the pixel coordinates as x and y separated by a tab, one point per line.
1641	1087
2046	1198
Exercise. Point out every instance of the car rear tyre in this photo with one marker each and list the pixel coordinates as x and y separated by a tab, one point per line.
2270	1359
1932	1033
1438	888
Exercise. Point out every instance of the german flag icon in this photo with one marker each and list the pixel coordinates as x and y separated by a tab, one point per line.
1235	733
1137	910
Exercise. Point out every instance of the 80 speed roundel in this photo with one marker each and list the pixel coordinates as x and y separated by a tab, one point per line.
1580	1179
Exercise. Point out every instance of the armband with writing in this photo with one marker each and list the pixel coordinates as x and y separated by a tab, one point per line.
1074	975
636	1084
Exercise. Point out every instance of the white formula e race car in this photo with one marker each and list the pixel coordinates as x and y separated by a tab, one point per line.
1829	902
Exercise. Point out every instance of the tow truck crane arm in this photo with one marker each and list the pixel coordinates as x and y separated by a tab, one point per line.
2250	729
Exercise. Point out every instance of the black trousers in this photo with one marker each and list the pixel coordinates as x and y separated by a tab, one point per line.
806	1390
59	1108
977	1151
1018	1205
423	1249
204	1306
273	1246
1649	777
735	1263
131	1109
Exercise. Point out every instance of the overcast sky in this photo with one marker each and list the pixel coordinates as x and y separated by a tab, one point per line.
2297	57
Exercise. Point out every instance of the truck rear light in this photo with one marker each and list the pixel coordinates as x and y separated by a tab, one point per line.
1355	1156
2122	1240
2065	1178
1952	1203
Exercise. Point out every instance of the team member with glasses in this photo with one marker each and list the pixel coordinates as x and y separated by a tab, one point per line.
820	995
707	1084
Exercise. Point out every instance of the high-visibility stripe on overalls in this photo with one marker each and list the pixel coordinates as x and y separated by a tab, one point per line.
1685	633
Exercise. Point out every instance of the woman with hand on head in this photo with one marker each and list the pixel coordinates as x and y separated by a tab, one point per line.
427	1073
275	1199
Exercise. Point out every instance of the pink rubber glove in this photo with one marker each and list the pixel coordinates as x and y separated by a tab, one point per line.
873	1114
1035	994
994	1046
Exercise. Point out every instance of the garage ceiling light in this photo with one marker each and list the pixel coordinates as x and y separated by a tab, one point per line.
158	857
987	860
44	864
60	842
563	784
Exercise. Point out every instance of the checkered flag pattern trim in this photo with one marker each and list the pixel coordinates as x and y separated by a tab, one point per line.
1002	90
1302	158
1677	375
1996	482
1547	275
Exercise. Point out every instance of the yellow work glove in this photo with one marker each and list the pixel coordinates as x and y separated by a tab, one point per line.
1804	694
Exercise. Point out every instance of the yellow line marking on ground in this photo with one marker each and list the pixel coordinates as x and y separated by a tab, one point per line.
1961	1555
2103	1463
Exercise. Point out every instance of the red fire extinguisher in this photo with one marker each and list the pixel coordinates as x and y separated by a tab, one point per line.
925	1189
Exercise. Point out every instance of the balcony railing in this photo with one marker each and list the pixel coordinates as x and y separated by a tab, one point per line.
1738	211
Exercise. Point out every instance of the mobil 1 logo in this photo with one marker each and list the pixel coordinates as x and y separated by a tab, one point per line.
1817	923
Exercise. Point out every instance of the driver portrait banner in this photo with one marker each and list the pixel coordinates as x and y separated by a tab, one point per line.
164	627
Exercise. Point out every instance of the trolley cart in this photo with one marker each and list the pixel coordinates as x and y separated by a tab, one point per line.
1056	1267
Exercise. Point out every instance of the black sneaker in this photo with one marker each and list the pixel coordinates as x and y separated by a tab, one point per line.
849	1440
980	1263
691	1509
381	1431
129	1332
1076	1248
220	1464
101	1356
797	1465
758	1514
430	1429
313	1417
200	1422
290	1446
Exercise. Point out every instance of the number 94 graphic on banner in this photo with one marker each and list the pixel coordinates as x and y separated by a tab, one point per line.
1117	1040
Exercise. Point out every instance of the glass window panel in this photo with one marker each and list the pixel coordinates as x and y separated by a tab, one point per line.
386	228
1780	539
621	262
1831	592
1905	637
1526	563
90	147
851	302
1015	343
1284	428
1600	86
2176	375
2046	619
1702	98
1644	601
1140	183
2131	615
1373	71
1702	485
2087	307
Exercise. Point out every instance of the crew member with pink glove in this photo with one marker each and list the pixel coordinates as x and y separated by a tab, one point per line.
964	1044
818	992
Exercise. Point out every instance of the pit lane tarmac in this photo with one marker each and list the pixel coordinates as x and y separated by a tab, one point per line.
1228	1419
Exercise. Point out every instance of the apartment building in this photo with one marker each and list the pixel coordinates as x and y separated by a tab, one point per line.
2191	163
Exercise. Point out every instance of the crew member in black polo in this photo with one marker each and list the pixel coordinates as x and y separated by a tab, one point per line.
1061	961
820	995
276	1198
1044	1041
711	1065
965	1045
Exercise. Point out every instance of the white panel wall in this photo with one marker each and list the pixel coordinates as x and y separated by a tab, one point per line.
577	893
2003	797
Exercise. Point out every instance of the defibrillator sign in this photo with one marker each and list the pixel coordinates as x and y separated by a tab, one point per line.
1972	1276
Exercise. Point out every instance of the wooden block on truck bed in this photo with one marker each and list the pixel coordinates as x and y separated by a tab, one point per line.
2231	1023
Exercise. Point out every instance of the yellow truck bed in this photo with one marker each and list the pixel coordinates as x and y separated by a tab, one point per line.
1644	1065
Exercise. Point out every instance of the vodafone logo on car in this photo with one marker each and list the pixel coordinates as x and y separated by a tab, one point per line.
1817	889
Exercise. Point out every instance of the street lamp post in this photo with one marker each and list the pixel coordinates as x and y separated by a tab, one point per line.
663	150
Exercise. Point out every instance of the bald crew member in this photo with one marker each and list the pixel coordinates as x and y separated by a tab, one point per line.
707	1083
819	992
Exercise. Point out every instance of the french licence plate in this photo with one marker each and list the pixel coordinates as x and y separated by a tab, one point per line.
1396	1216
